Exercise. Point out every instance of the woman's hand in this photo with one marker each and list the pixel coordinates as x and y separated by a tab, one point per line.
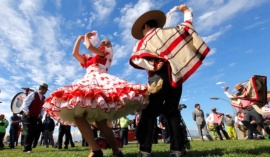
89	34
183	8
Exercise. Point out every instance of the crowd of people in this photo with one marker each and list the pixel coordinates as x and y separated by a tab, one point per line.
42	134
170	56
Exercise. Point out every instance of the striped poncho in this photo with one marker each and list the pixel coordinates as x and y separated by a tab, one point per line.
180	46
255	93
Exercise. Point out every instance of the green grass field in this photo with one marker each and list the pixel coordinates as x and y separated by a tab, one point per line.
228	148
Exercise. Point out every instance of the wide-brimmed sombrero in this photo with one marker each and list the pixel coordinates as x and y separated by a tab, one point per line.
238	86
156	15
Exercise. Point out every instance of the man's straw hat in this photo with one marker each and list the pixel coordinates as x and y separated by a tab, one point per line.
238	86
156	15
44	85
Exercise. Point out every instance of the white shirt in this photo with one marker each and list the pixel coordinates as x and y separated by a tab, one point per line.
28	100
211	118
230	96
188	15
236	120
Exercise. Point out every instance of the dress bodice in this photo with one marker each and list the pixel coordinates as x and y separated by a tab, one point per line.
98	63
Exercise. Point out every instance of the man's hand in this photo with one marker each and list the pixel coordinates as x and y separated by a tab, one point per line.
226	88
183	8
27	114
159	66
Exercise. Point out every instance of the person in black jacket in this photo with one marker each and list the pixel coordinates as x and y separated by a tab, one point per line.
48	128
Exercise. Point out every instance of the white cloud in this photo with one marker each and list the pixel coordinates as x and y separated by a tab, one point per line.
212	52
206	16
212	37
256	24
104	7
128	70
129	14
232	65
221	11
30	8
120	52
208	62
60	80
184	99
217	76
249	51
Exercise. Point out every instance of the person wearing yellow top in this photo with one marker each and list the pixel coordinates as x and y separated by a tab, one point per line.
123	123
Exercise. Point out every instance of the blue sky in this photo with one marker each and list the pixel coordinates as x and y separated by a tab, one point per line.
37	37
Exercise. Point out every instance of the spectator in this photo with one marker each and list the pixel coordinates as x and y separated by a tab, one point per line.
3	125
137	119
48	128
70	138
266	119
13	131
210	127
198	117
163	125
123	123
240	125
41	140
216	118
63	130
84	142
19	133
229	121
156	132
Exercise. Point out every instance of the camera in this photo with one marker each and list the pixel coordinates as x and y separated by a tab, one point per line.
181	106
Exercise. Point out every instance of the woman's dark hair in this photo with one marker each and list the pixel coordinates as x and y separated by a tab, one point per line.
151	24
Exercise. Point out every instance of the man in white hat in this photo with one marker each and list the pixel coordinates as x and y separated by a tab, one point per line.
32	111
160	51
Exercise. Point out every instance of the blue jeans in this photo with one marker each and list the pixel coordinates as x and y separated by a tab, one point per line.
13	137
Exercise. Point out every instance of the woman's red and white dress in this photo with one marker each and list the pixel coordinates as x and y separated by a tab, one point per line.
101	95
